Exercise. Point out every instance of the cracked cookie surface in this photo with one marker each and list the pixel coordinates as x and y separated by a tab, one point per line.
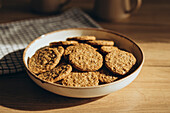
108	49
88	60
105	76
81	79
44	60
63	43
77	48
57	73
119	62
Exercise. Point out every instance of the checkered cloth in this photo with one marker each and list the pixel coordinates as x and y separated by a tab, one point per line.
15	36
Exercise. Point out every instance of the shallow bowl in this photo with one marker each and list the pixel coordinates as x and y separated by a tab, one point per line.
121	41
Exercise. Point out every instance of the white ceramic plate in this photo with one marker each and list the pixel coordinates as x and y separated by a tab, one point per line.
85	92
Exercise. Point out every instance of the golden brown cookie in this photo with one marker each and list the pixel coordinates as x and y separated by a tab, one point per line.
63	43
106	77
77	48
57	73
82	38
88	60
44	60
68	50
108	49
60	50
47	76
101	43
81	79
119	62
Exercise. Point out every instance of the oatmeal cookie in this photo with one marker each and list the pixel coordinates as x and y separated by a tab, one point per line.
82	38
119	62
44	59
60	50
88	60
108	49
81	79
47	76
105	76
63	43
77	48
101	43
57	73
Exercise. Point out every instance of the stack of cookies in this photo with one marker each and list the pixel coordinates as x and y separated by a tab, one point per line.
81	61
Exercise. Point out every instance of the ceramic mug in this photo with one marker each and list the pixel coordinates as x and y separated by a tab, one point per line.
48	6
115	10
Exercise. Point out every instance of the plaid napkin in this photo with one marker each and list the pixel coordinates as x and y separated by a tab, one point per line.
15	36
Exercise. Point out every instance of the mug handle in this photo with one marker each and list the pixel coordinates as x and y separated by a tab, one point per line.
137	6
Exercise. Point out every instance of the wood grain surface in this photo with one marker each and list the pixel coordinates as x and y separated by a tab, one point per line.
149	92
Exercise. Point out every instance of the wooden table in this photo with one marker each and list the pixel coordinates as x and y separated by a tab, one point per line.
149	92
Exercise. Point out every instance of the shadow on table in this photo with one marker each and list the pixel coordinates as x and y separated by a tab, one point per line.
12	62
20	92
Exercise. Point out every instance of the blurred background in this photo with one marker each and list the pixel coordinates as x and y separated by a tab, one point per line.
12	10
152	13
